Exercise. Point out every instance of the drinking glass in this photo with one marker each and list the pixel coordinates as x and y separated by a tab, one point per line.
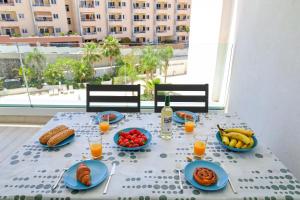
104	125
95	143
200	142
189	124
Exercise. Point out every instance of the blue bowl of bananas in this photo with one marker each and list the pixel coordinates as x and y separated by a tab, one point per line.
237	139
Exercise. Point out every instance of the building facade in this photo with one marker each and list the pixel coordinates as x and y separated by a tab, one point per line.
143	21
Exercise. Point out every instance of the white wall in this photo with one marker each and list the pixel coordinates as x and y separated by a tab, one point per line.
265	83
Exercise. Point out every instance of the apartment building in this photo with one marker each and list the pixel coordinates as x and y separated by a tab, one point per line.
145	21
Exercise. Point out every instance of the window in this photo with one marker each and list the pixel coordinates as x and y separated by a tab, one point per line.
53	1
124	29
57	30
98	16
97	3
69	20
21	15
67	8
98	29
24	30
55	16
169	5
123	4
18	1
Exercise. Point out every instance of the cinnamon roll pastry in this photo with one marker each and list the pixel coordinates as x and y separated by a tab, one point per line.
205	176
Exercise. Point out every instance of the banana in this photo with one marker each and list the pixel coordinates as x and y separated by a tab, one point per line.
239	144
251	143
238	136
232	142
245	146
245	132
225	140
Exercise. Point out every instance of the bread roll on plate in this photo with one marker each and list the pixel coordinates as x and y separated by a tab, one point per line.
46	136
59	137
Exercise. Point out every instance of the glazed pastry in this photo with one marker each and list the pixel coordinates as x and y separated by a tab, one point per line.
59	137
83	174
184	115
205	176
46	136
109	117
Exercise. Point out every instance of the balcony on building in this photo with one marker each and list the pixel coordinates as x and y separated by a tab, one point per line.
7	3
8	16
162	29
89	30
140	17
162	6
181	28
162	17
10	30
87	4
139	29
41	3
46	30
115	30
114	4
116	17
182	6
182	18
140	39
43	16
140	5
87	17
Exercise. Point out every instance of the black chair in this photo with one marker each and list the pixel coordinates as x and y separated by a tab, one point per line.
92	99
161	89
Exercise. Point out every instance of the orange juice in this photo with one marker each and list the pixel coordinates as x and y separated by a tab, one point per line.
189	126
104	126
199	148
96	150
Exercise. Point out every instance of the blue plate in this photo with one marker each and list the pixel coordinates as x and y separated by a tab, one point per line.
236	149
181	120
62	143
119	116
221	175
99	173
145	132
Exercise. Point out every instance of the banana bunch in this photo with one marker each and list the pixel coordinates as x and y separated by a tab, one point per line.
237	137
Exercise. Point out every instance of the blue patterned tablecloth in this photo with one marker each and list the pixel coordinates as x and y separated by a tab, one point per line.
31	170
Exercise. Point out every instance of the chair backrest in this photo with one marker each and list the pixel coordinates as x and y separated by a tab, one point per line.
94	100
172	88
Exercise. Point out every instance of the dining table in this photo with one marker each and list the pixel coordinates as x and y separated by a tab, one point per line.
150	173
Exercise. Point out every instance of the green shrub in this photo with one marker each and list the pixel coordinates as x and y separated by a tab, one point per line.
106	77
96	81
75	85
81	86
54	73
125	40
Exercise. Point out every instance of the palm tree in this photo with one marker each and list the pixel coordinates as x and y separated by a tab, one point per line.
129	68
149	61
111	48
166	54
91	53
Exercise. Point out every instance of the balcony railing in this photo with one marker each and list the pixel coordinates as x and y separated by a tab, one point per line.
116	32
115	20
139	20
39	4
8	3
8	19
43	19
139	31
88	19
90	33
182	20
139	7
161	31
161	20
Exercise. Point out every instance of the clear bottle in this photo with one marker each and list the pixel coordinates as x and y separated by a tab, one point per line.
166	120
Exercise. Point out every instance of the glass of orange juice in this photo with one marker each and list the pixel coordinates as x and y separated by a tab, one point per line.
200	142
189	125
95	143
104	125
